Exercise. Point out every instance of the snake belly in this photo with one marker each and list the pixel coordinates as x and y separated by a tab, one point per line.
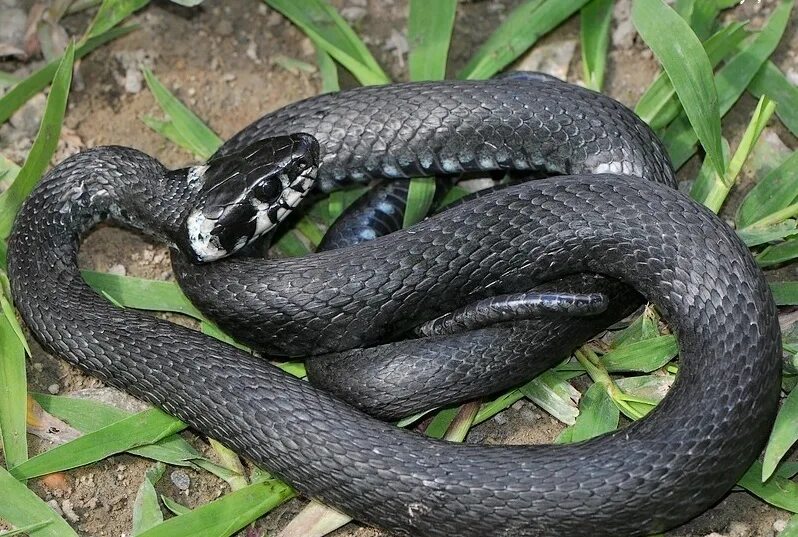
650	476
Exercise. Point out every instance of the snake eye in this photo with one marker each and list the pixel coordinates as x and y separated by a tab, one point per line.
268	191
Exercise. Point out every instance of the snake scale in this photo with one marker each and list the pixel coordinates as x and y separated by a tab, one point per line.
600	218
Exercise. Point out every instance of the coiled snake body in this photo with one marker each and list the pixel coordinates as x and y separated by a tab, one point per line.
650	476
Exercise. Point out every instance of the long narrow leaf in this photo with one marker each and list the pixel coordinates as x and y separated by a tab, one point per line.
774	192
684	59
21	507
596	17
731	81
785	293
140	429
783	435
659	105
200	140
329	31
111	13
43	147
226	515
13	388
429	30
523	26
771	81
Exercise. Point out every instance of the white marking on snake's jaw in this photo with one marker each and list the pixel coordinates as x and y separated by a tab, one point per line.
196	175
201	239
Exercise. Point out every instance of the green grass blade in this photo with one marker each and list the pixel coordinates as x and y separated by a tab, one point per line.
146	511
546	391
731	81
88	416
139	429
763	234
711	189
595	20
173	506
598	415
689	69
43	146
328	71
141	293
429	30
783	435
772	81
328	30
226	515
13	389
523	26
33	84
659	105
778	254
643	356
8	170
419	200
111	13
773	193
199	139
785	293
776	491
21	507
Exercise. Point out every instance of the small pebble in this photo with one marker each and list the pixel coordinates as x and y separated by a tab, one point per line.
53	389
225	27
117	269
738	529
180	479
38	366
66	507
55	506
780	525
500	419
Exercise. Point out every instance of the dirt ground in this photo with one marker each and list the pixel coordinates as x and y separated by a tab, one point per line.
224	60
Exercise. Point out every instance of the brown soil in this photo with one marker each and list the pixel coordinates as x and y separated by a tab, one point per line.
220	59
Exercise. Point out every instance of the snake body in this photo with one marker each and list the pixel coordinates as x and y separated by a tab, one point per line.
650	476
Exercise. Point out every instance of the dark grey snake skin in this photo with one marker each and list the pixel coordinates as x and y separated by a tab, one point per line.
650	476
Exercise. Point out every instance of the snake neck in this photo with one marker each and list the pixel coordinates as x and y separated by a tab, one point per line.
105	183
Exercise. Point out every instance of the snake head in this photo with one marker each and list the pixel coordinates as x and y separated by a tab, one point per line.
247	193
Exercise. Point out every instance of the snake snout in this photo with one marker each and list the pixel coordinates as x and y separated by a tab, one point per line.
243	195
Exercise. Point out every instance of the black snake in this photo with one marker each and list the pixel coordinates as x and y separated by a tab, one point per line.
652	475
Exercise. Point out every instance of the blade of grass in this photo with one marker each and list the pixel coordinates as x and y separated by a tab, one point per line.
328	30
785	293
429	30
13	388
111	13
226	515
773	193
199	139
33	84
763	234
598	415
523	26
543	391
776	491
43	146
769	79
778	253
7	79
712	189
731	81
595	19
146	511
141	293
328	71
21	507
783	435
643	356
173	506
689	69
659	105
419	200
139	429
